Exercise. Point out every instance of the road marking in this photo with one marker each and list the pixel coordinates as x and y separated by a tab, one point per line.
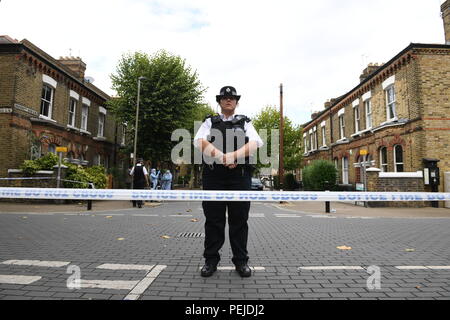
317	268
15	279
111	214
111	266
37	263
411	267
423	267
284	215
317	216
145	215
228	268
257	215
180	215
145	283
108	284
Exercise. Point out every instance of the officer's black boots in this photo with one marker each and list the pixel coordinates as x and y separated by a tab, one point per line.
244	271
208	270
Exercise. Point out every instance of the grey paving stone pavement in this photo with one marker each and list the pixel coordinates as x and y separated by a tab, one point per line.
282	239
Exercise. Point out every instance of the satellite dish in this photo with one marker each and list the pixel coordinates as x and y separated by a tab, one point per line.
87	79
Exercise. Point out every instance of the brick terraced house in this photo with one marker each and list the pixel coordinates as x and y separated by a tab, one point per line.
46	103
397	116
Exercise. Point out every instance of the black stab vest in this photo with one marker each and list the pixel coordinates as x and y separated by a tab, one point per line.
138	175
232	133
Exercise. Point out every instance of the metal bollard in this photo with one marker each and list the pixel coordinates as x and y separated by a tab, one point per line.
89	202
327	204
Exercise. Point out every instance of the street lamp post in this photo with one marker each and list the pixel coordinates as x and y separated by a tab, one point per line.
136	126
281	155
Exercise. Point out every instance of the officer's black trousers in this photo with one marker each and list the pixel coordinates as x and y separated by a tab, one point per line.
222	178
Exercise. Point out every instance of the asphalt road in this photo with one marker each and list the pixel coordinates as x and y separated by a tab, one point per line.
156	253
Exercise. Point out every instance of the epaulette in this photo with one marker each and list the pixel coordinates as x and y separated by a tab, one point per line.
213	117
241	117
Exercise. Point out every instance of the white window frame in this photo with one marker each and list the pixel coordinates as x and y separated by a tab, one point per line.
324	137
396	162
368	110
391	105
84	116
49	102
315	140
357	118
101	124
72	112
98	160
383	165
341	127
345	170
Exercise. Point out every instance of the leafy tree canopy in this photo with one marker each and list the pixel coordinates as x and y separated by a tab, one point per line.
269	118
170	97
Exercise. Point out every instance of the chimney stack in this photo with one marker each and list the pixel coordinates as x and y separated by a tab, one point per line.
74	64
371	68
445	11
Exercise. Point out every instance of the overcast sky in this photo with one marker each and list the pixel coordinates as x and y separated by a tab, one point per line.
316	48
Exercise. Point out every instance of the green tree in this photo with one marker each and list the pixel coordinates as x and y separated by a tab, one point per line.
320	175
168	99
269	118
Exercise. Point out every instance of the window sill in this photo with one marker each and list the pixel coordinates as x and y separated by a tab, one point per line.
85	131
72	127
99	138
391	123
342	141
42	117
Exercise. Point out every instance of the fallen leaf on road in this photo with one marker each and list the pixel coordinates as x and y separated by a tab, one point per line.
344	248
108	217
120	239
410	250
165	237
189	210
194	220
24	217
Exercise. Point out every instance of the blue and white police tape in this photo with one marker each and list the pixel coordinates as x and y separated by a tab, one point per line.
215	195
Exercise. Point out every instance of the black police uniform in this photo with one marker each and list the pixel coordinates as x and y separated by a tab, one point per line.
139	181
218	177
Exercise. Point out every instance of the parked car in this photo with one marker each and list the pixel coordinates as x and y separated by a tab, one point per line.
257	184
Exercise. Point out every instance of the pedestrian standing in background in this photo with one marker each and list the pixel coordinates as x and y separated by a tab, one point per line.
166	180
154	178
140	179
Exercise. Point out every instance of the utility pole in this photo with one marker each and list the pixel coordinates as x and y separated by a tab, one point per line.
281	163
136	126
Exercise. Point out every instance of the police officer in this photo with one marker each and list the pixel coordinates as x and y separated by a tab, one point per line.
140	179
227	142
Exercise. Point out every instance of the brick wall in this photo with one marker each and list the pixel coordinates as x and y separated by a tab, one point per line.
422	88
404	184
21	84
